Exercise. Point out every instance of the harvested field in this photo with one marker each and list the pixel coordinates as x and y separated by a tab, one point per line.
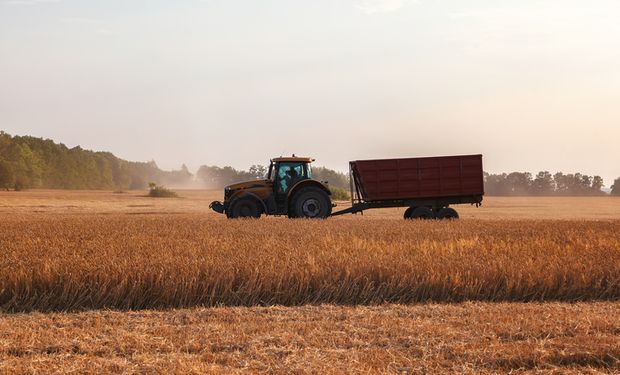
368	293
70	202
463	338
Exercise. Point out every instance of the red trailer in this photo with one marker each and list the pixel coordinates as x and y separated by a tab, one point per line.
427	186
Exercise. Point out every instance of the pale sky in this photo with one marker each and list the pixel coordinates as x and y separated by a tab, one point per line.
532	85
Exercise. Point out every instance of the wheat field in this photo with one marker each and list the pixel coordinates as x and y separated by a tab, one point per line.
169	261
101	282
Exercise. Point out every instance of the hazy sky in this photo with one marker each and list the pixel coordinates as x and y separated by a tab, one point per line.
530	84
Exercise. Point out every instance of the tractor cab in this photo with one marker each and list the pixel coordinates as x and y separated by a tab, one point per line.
284	173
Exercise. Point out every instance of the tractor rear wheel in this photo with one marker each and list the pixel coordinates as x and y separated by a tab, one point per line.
421	213
244	208
311	203
447	213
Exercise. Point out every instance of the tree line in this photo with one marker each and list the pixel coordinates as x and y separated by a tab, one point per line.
30	162
546	184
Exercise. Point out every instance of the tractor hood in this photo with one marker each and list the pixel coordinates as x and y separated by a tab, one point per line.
248	184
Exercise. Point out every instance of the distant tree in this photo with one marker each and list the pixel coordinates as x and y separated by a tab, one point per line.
137	182
597	185
562	184
583	184
543	184
6	175
334	178
496	184
258	172
615	188
181	177
214	177
520	183
339	194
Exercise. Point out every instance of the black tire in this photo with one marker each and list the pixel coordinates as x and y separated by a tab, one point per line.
244	208
407	214
311	203
447	213
421	213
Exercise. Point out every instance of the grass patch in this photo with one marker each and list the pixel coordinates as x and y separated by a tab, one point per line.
158	191
339	194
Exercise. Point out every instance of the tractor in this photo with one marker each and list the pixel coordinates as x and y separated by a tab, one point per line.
289	190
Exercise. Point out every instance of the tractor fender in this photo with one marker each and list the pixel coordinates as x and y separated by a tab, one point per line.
252	196
305	183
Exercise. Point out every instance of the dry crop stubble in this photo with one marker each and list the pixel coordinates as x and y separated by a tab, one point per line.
75	262
475	338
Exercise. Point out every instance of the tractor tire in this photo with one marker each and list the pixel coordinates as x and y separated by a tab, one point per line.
424	213
244	208
447	213
310	203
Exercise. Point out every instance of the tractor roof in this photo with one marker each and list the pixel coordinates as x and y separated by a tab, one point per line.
293	159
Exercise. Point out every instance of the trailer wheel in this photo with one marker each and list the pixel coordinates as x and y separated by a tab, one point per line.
447	213
407	214
421	213
244	208
311	203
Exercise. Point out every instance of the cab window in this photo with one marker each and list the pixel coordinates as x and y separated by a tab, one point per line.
289	174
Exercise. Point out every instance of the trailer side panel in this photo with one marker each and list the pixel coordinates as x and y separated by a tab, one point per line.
415	178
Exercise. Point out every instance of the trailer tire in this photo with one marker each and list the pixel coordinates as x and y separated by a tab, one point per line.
447	213
311	203
407	214
424	213
244	208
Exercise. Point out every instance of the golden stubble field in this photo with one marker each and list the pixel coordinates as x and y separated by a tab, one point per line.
101	282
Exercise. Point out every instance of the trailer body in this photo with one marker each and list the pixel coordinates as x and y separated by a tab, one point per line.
428	183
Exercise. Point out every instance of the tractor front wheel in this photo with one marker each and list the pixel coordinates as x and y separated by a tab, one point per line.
244	208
